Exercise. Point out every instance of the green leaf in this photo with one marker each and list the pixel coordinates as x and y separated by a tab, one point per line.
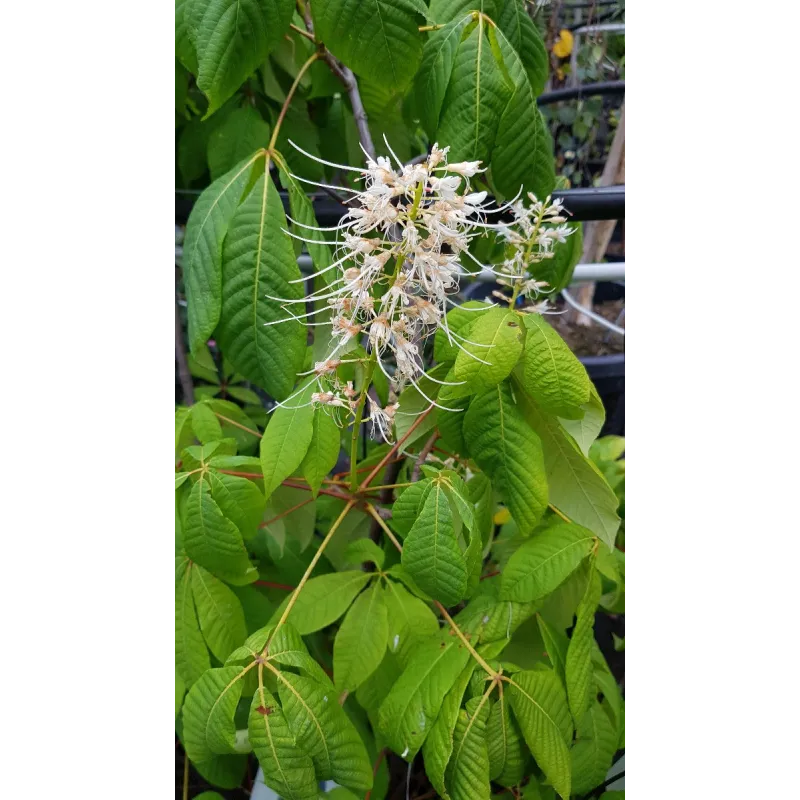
545	561
438	746
409	710
287	769
506	751
431	553
202	250
433	76
191	656
239	499
593	751
552	375
325	598
220	613
579	668
523	35
208	796
577	487
238	136
497	335
410	621
180	691
208	725
468	770
361	640
323	451
184	49
585	430
408	505
459	321
507	449
258	260
556	643
324	731
244	395
523	150
442	11
213	541
285	443
205	424
378	38
540	707
475	99
232	38
227	771
364	550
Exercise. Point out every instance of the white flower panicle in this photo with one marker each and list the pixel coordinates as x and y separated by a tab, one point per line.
532	237
397	263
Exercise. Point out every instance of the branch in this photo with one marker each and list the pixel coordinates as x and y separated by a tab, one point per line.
385	496
423	454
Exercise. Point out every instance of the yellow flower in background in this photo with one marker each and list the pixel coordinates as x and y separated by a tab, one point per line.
563	45
501	517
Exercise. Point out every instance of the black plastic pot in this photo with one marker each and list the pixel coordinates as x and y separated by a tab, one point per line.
608	375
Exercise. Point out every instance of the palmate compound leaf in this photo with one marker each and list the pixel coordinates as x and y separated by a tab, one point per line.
577	487
498	337
409	710
540	708
323	450
213	540
523	149
323	730
208	726
431	553
287	769
467	774
232	37
191	655
545	561
325	598
361	640
551	374
507	754
579	669
438	746
202	249
476	96
593	751
375	38
410	621
258	260
286	441
220	613
507	449
433	76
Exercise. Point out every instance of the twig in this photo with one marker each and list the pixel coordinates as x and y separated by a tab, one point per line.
375	769
302	32
386	494
395	447
309	570
423	454
237	424
185	776
286	513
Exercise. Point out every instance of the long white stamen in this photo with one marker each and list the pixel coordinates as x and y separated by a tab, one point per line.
460	306
471	355
328	163
325	185
324	269
399	162
338	227
309	241
291	397
459	336
416	386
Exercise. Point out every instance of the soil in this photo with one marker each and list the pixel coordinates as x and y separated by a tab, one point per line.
593	340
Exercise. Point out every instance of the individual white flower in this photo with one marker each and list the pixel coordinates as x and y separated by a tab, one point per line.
466	168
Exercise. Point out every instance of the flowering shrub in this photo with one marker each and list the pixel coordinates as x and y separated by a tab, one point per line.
405	560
